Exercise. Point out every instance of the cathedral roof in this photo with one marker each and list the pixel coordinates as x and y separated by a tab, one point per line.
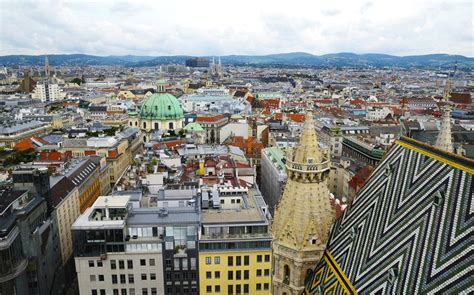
161	106
407	230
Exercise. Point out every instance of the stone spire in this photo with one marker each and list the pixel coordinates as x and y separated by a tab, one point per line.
46	67
444	140
304	216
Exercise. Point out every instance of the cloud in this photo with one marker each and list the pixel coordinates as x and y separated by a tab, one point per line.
243	27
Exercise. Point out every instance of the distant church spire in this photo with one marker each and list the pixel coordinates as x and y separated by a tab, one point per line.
304	215
46	67
444	140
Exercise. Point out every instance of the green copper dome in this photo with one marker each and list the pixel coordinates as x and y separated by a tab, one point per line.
161	106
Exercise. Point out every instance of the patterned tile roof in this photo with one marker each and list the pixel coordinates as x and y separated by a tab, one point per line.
408	231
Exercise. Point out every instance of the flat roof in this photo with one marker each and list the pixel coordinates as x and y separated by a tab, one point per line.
252	214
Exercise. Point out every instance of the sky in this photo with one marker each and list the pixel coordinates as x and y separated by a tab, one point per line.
205	27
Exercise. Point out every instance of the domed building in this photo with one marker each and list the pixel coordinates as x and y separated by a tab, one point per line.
159	111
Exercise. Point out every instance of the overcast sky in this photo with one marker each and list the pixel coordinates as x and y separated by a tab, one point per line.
202	27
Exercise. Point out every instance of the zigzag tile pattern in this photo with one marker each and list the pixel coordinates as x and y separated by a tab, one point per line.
410	230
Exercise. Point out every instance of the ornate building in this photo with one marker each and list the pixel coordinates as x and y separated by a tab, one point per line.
304	215
160	111
408	230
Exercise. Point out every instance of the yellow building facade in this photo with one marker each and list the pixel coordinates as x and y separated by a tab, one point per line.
235	272
235	255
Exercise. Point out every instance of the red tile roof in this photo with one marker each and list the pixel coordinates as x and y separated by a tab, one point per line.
209	119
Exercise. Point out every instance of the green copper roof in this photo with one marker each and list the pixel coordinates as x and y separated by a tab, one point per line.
161	106
196	127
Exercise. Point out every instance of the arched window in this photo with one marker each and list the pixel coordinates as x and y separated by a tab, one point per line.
130	123
144	125
157	126
286	274
144	138
136	123
170	125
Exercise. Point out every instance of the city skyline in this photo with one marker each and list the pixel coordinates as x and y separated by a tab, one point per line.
207	28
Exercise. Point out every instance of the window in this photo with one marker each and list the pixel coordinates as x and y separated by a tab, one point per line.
170	125
238	289
208	289
123	292
217	260
232	201
246	274
130	264
266	272
121	264
156	126
267	258
217	289
131	279
246	260
246	288
259	287
122	279
208	274
91	263
114	279
94	292
266	286
92	278
153	276
99	263
259	258
153	291
230	275
144	291
152	262
238	260
238	275
131	291
286	274
217	274
208	260
101	278
144	125
168	262
143	276
115	291
102	291
142	262
230	289
230	261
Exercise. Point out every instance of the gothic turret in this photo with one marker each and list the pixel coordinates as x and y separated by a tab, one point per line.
304	215
444	140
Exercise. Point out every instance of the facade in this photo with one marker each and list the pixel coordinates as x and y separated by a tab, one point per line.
46	92
120	248
235	244
364	152
273	176
213	124
416	232
159	111
64	198
112	258
303	216
29	247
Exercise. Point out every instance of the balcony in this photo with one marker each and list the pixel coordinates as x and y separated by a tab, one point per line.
305	167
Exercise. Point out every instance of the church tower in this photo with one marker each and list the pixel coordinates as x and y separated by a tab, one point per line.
444	140
303	217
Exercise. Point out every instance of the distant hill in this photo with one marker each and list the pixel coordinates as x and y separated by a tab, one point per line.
343	59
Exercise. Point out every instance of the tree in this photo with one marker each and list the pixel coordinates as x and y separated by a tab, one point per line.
78	81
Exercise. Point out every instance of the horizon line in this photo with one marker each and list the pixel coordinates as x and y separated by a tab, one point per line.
234	54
